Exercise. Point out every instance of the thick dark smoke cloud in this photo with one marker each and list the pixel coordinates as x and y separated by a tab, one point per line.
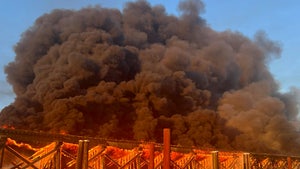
128	74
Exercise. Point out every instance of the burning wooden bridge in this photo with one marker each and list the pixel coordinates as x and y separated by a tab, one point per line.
77	152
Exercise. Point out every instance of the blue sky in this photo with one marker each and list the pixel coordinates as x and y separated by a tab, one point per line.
278	18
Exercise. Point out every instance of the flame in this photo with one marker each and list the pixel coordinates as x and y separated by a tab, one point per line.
115	152
70	148
12	142
176	156
146	153
201	154
200	157
223	159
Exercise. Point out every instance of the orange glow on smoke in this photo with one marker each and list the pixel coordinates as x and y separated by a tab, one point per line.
63	132
12	142
5	126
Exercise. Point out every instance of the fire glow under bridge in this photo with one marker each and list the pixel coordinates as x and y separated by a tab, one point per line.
78	152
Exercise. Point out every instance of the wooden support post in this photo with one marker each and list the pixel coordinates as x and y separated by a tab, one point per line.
1	156
167	148
2	146
138	161
246	160
79	155
289	162
151	156
57	157
102	162
215	159
85	156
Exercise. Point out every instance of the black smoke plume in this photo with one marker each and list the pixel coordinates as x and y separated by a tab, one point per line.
128	74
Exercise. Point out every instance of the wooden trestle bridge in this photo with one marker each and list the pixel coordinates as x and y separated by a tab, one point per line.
78	152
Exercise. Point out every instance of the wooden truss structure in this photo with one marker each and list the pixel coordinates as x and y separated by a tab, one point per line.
117	155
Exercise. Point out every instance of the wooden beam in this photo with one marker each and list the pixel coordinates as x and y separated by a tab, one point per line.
85	154
45	155
57	157
167	148
20	157
151	156
246	161
79	155
129	162
112	160
102	162
289	162
2	146
215	159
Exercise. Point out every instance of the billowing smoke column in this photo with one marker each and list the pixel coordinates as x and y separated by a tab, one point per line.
129	74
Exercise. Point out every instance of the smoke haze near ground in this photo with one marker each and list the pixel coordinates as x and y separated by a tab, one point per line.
128	74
